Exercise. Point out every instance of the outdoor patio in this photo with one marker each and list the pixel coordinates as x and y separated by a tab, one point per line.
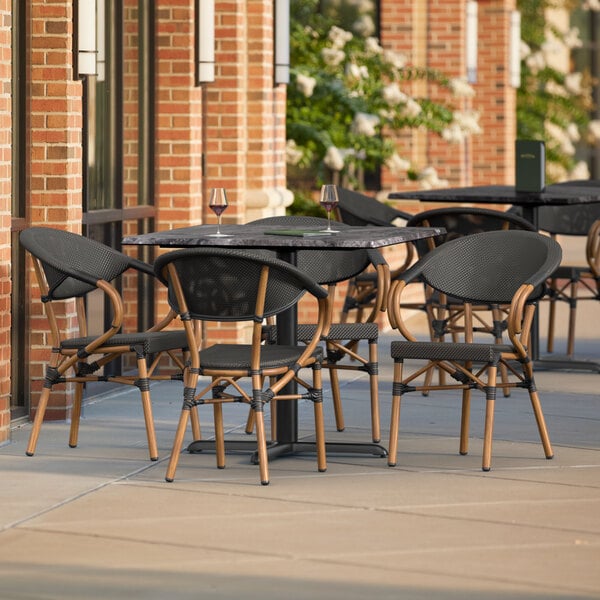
99	521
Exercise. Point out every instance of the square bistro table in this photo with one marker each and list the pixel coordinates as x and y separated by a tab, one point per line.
560	194
257	236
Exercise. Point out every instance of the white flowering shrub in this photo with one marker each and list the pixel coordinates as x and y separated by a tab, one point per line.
348	99
554	101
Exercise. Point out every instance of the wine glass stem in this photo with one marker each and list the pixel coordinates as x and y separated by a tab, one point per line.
328	221
219	224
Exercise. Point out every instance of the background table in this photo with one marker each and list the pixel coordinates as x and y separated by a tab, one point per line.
575	192
561	194
257	236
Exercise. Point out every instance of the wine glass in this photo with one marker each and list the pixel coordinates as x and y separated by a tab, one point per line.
218	204
329	200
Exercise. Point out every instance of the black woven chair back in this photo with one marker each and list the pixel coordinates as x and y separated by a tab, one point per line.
358	209
462	221
575	219
325	267
490	267
72	262
223	284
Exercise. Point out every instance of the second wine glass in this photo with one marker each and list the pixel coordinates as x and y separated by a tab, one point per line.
329	200
218	203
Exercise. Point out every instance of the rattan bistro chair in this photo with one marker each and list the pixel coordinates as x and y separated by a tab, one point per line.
225	285
330	267
497	267
358	209
68	267
572	283
355	208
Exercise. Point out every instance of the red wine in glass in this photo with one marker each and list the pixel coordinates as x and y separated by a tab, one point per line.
218	204
329	200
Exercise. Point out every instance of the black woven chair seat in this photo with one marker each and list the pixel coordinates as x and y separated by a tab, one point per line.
342	331
232	356
488	353
151	341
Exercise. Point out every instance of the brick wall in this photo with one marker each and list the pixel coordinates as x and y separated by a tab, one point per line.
5	214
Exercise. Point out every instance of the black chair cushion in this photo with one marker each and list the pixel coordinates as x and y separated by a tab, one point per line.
151	342
487	353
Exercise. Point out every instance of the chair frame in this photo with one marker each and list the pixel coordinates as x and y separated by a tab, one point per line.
71	353
261	363
458	359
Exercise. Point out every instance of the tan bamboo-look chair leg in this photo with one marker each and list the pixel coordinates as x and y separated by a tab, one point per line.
374	389
38	420
177	444
219	434
466	394
490	396
190	381
536	405
334	380
76	416
319	423
196	430
572	317
395	416
465	420
147	406
551	317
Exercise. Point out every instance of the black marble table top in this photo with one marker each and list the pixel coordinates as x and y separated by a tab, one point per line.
579	192
258	236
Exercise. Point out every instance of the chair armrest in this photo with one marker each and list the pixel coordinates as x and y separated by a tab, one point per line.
395	309
165	321
140	265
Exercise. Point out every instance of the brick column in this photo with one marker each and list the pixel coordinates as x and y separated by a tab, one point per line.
56	160
5	215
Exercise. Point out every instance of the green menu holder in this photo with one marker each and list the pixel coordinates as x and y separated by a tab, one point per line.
530	166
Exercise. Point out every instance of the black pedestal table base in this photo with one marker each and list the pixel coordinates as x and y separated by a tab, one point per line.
546	363
282	449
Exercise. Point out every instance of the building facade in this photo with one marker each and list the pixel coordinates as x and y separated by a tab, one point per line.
137	146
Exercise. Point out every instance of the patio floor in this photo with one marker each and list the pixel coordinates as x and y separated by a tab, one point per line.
99	521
